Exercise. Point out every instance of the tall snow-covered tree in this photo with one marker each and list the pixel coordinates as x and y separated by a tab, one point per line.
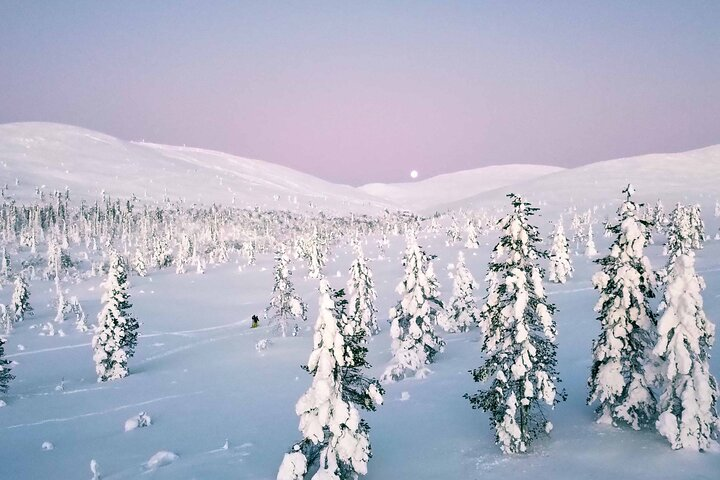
688	417
285	305
698	227
679	234
622	369
361	289
463	311
116	333
560	265
315	253
413	319
5	376
139	263
362	391
5	267
6	319
336	441
590	250
472	235
20	302
520	351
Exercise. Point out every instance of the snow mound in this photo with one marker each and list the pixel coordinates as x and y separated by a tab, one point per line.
160	459
140	420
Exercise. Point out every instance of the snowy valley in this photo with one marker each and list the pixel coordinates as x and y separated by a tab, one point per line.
202	241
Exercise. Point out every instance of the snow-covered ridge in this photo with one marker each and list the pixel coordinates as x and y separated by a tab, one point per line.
451	187
55	156
687	177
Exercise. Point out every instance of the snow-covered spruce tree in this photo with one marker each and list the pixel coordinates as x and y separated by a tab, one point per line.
622	368
520	345
284	305
335	439
698	227
5	268
139	263
560	265
6	320
20	302
688	417
5	375
590	250
412	330
361	289
362	391
472	235
679	235
316	252
463	312
116	332
53	259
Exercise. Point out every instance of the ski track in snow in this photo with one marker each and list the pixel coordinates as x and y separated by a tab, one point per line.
102	412
188	346
149	335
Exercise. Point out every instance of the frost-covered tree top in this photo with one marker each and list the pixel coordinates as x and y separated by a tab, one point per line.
621	370
519	346
685	232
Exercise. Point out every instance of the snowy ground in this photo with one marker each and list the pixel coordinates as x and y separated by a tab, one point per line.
198	375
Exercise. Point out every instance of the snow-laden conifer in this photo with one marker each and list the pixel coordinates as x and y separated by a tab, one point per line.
590	250
335	444
519	346
116	333
285	306
412	321
560	265
622	368
5	376
315	253
361	289
463	311
6	319
139	263
472	235
20	302
688	417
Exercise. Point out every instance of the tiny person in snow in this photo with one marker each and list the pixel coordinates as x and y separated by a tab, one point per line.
255	321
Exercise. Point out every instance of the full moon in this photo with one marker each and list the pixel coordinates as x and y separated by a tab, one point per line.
413	174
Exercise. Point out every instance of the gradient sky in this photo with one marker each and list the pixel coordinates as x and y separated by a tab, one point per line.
366	91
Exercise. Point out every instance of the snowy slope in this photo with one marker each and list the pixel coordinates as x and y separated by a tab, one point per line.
198	375
692	176
450	187
88	162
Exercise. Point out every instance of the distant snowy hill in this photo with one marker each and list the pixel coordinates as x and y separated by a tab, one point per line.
692	176
451	187
53	156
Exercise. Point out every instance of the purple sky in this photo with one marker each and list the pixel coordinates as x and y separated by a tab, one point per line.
367	91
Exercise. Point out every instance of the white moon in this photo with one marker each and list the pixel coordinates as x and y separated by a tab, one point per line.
413	174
